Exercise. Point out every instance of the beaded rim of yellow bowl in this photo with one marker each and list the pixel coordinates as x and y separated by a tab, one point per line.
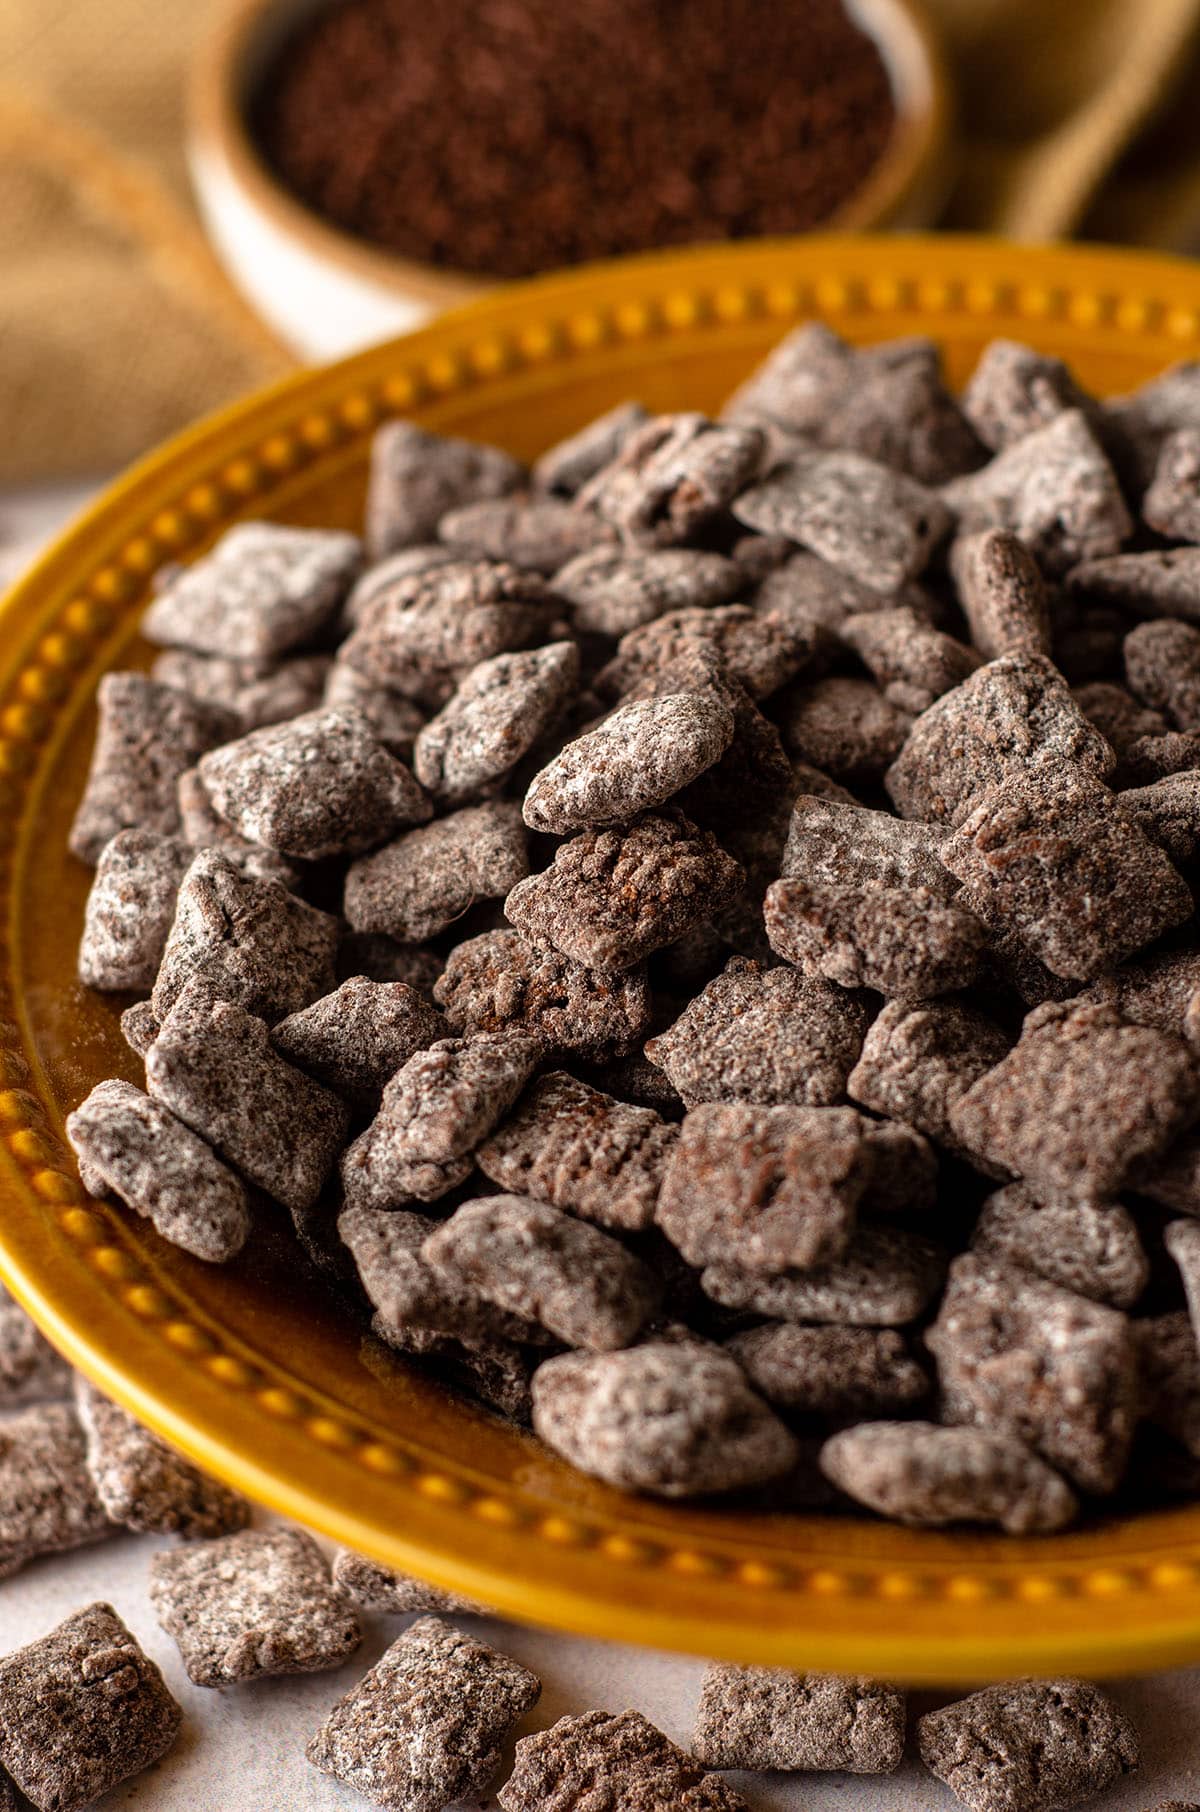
342	1438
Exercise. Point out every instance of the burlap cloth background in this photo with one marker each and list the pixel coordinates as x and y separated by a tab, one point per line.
1079	117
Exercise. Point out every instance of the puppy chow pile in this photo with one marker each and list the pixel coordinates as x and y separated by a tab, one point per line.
700	934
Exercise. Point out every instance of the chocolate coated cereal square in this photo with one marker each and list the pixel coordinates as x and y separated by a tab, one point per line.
130	910
1015	714
1056	491
379	1588
502	709
1081	1098
672	476
130	1143
613	896
875	524
143	1483
355	1039
1068	871
30	1369
535	1261
637	758
244	940
669	1419
213	1066
416	477
424	1729
428	878
48	1502
765	1188
771	1718
766	1036
146	737
261	591
886	1277
499	981
320	785
258	1602
1025	1356
1029	1745
578	1149
81	1710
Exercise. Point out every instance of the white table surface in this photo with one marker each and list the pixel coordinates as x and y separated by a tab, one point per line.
242	1749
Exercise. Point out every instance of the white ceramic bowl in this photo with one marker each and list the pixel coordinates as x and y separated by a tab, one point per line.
327	293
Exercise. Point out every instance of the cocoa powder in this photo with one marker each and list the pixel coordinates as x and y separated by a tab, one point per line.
512	135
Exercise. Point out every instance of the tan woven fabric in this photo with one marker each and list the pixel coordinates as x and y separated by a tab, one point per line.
116	326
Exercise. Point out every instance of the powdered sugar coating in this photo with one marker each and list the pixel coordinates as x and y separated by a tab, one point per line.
146	737
130	909
771	1718
767	1036
929	1476
500	981
258	1602
81	1710
132	1145
501	710
537	1262
425	1727
320	785
636	759
1029	1745
261	591
673	1420
144	1484
1022	1355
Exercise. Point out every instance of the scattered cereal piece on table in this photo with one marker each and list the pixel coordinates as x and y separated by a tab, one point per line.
81	1710
30	1369
425	1728
1029	1745
770	1718
258	1602
379	1588
145	1484
48	1503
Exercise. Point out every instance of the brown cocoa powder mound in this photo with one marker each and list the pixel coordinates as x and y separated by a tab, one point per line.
511	135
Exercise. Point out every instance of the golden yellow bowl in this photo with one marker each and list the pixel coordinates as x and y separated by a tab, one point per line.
251	1368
